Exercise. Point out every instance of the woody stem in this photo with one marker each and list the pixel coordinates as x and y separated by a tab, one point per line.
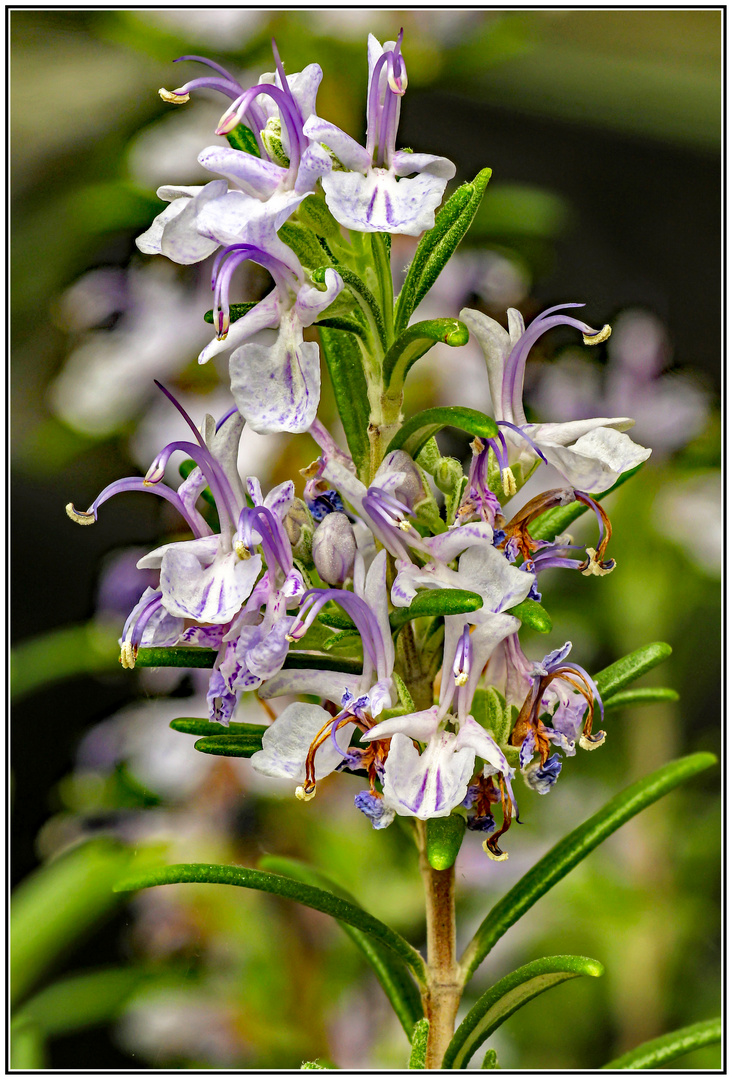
441	996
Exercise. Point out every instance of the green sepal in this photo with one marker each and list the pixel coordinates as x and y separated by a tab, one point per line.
447	472
556	521
631	667
335	616
413	343
570	851
646	695
509	994
305	244
345	367
314	214
405	698
278	885
229	745
444	837
364	298
418	1056
437	245
343	637
395	980
193	725
533	615
417	432
243	138
490	1061
436	602
236	311
347	324
657	1053
454	498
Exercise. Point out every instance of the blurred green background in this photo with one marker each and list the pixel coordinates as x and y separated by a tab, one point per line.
603	132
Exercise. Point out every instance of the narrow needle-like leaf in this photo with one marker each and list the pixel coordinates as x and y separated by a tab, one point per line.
565	855
657	1053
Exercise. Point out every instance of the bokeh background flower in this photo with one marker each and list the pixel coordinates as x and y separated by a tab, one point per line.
602	129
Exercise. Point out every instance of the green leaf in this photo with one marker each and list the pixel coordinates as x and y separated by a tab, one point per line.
365	299
413	343
508	995
342	637
345	367
490	1061
229	745
57	905
277	885
647	695
631	667
83	1000
556	521
417	432
437	245
193	725
395	980
533	615
205	658
436	602
418	1056
243	138
236	312
27	1049
325	663
62	654
347	324
656	1053
444	837
565	855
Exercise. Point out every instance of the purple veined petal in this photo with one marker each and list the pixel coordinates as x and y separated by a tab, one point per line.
256	177
304	86
419	725
323	684
597	459
314	164
265	316
448	545
430	784
410	578
237	218
311	301
268	656
527	750
279	498
338	473
376	597
347	150
205	549
193	519
405	164
277	387
181	240
496	344
380	696
485	570
208	593
285	744
378	202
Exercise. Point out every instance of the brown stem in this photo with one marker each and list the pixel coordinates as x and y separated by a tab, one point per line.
441	997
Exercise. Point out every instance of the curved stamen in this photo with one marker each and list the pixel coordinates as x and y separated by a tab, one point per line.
374	107
193	519
290	118
224	498
522	433
357	609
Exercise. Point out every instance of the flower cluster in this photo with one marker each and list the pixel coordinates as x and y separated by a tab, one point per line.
392	592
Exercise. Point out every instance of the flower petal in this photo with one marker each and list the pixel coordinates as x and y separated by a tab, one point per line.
430	784
255	176
378	202
277	387
597	459
286	743
347	150
208	593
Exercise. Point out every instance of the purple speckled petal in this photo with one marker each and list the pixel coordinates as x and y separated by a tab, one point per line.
286	742
448	545
485	570
347	150
208	591
265	316
277	387
496	345
175	232
252	175
312	301
430	784
314	164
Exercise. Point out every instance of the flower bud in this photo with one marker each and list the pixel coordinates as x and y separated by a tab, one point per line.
298	523
334	548
411	490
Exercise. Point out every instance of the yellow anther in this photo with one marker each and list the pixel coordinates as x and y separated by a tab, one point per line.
173	98
477	446
596	339
127	655
592	744
404	526
242	550
311	470
303	794
594	567
509	482
290	638
492	855
461	679
80	517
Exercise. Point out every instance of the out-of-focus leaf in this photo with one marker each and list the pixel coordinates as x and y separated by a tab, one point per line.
62	654
418	1056
58	904
509	994
490	1061
631	667
396	982
565	855
309	895
193	725
556	521
657	1053
27	1048
533	615
82	1000
647	695
418	431
176	656
436	602
512	210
